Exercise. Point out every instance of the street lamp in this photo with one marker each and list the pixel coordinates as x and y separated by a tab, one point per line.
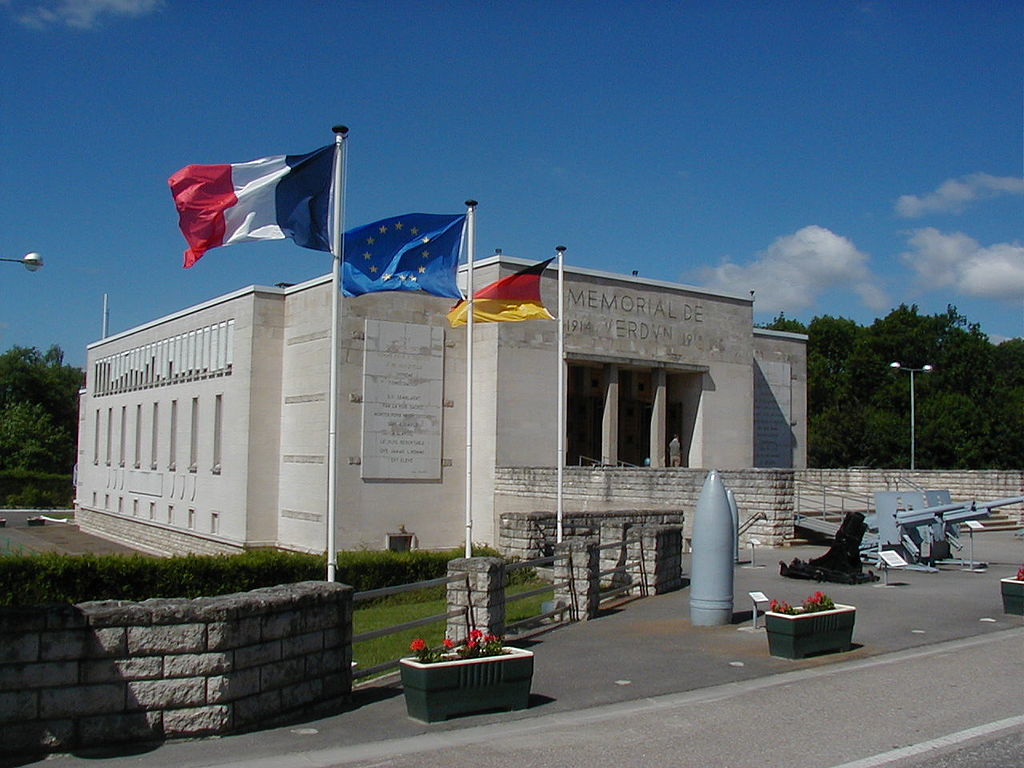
31	261
912	371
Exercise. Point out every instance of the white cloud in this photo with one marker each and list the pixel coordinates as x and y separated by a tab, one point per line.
954	195
942	260
79	14
796	269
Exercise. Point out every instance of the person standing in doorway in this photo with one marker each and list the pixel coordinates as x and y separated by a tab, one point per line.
673	451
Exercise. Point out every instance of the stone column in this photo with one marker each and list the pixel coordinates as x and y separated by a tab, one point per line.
655	558
613	557
659	433
479	596
610	416
576	569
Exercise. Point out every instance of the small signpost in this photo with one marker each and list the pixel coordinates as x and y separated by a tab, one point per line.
757	598
972	526
890	559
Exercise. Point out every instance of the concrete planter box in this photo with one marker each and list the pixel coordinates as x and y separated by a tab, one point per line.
799	635
1013	596
438	691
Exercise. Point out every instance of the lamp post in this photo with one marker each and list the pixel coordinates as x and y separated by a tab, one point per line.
31	261
912	371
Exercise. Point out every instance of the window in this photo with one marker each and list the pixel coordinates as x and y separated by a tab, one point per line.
191	519
152	510
155	437
138	436
193	440
214	522
173	437
96	442
135	507
218	424
123	427
110	431
170	514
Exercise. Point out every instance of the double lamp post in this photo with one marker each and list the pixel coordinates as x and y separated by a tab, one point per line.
912	371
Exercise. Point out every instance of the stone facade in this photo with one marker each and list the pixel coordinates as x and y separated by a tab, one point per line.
206	430
104	672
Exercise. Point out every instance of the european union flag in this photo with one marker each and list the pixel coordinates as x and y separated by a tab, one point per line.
414	252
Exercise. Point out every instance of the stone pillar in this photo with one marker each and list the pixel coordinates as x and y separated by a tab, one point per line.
659	432
610	416
479	596
576	569
655	558
613	557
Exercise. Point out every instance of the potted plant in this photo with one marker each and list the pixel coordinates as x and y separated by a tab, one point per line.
482	674
817	626
1013	593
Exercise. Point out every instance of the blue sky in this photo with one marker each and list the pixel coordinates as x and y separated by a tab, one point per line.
835	157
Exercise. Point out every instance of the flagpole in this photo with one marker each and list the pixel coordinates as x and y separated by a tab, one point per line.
560	452
470	255
338	250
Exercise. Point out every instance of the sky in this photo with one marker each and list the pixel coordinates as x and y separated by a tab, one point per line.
835	158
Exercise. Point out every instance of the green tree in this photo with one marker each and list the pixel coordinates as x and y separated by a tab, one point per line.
38	410
969	409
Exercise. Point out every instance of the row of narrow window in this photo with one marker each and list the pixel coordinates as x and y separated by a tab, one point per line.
196	354
167	513
104	443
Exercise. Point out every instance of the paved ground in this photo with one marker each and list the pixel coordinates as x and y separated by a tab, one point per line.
646	649
18	537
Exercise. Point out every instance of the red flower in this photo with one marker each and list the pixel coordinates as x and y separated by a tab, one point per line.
448	644
417	645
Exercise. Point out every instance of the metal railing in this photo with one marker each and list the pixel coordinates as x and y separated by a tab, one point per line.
592	462
833	501
374	594
621	585
533	621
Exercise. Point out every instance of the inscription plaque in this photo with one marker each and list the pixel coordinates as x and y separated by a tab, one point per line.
403	372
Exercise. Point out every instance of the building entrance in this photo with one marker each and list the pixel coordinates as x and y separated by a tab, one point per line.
618	415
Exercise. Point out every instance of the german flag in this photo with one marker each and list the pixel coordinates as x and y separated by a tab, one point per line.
511	299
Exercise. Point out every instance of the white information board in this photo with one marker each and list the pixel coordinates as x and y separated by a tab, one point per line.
759	597
974	525
891	558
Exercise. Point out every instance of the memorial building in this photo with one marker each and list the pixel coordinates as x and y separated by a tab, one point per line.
207	430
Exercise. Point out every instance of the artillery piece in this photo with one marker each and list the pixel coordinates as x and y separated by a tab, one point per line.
908	522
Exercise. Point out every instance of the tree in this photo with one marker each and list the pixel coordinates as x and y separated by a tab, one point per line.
38	410
969	409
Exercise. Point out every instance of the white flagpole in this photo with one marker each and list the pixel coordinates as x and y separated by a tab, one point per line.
470	255
560	452
338	250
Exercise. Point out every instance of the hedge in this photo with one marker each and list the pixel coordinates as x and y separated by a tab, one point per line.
56	578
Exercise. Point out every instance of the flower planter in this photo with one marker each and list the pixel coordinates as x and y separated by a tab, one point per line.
1013	596
799	635
461	686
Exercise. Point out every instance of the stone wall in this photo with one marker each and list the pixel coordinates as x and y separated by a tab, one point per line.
644	496
95	673
151	537
963	485
525	497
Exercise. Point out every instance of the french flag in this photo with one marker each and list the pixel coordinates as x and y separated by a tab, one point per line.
266	199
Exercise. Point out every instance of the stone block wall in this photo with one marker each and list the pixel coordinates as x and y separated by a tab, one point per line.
639	495
95	673
527	535
963	485
152	537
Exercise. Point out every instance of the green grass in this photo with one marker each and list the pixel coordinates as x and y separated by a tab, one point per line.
387	614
